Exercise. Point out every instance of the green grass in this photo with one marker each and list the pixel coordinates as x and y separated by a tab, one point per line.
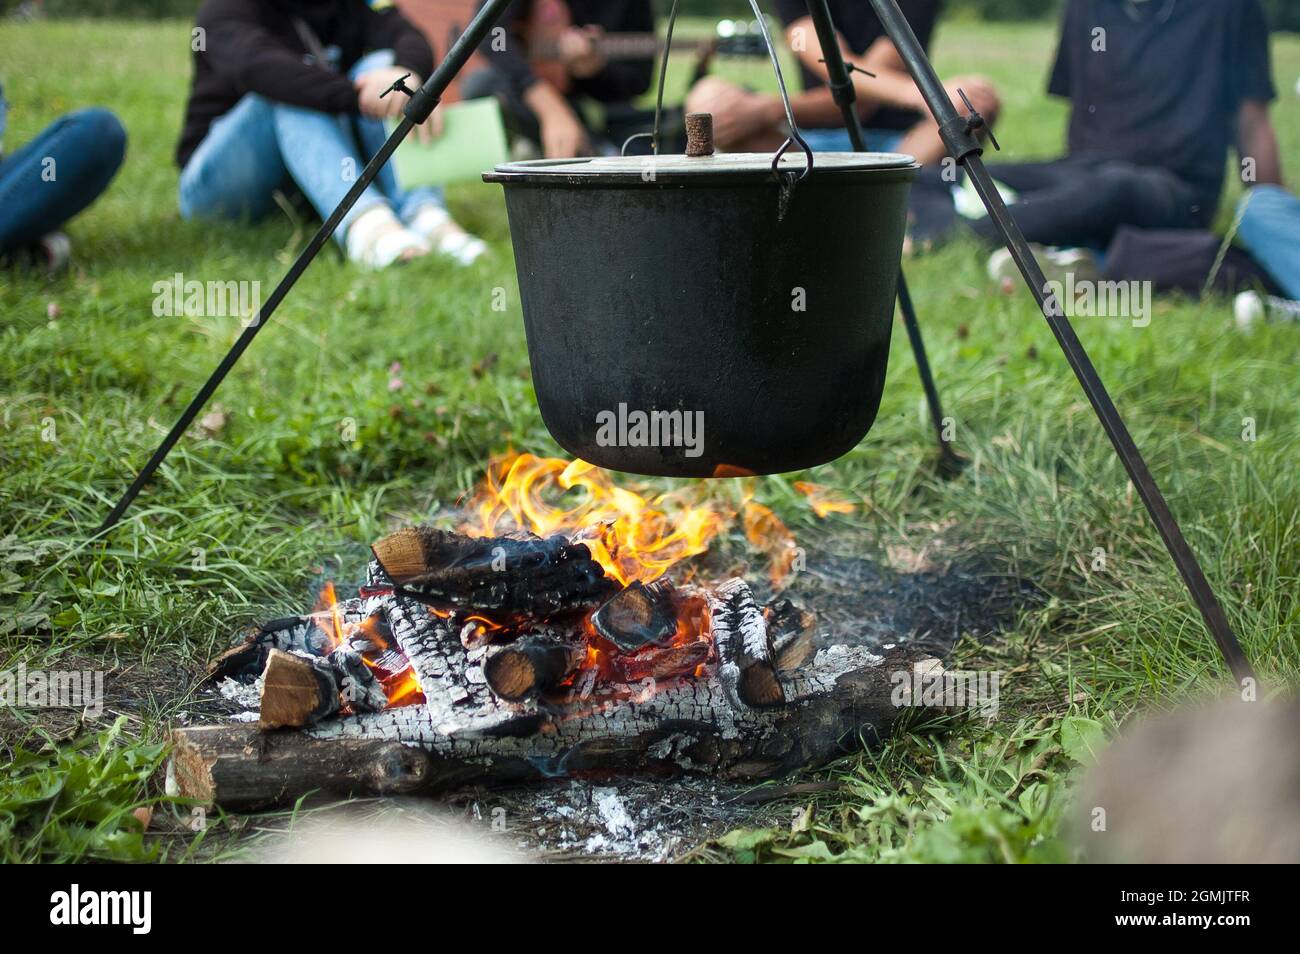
237	522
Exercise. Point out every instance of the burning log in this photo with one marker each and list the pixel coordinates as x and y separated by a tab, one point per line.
657	664
791	631
359	685
840	698
638	615
740	633
297	689
521	577
530	665
300	689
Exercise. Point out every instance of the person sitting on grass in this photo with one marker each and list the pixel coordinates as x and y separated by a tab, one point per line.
892	110
1269	228
291	91
50	179
1159	89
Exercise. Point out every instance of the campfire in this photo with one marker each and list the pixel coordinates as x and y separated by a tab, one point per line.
561	627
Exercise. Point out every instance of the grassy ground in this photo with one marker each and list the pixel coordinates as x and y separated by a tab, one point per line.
239	519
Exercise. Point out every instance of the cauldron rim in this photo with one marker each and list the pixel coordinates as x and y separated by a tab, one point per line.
748	168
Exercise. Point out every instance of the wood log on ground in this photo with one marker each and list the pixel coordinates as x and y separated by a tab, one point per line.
841	698
638	615
297	689
531	665
519	577
744	653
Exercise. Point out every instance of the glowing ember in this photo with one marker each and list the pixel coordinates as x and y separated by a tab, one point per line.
392	669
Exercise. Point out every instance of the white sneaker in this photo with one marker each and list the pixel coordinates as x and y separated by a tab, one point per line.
436	226
376	239
1249	308
57	249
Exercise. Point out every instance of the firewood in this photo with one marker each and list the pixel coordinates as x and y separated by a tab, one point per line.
791	630
530	665
358	684
740	633
838	701
522	577
239	767
297	689
656	663
638	615
246	659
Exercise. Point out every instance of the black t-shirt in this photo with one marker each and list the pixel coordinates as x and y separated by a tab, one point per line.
1166	90
855	21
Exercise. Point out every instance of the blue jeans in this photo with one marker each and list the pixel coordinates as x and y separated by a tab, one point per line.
837	140
250	151
1270	231
57	174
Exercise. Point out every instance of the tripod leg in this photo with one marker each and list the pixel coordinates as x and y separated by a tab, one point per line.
950	463
965	148
841	85
417	110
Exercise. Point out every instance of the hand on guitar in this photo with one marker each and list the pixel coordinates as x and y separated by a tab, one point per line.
579	49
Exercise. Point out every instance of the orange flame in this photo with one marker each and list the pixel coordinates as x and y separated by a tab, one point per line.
765	531
823	500
632	537
401	687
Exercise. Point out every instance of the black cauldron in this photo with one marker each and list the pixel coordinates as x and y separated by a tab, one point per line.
701	316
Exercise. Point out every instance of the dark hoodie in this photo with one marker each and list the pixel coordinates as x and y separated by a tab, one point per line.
251	46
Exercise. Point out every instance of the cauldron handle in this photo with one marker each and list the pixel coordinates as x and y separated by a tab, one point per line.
795	136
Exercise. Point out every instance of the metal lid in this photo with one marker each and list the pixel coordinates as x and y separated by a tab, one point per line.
727	166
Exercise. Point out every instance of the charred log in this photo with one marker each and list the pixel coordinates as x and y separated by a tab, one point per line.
521	577
744	653
638	615
531	665
840	699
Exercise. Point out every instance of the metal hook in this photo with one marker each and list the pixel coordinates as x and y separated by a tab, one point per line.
776	158
785	101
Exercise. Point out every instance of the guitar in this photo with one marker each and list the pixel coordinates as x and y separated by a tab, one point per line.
549	19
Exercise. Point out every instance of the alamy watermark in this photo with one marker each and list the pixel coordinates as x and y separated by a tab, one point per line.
929	685
1086	298
24	688
178	297
634	428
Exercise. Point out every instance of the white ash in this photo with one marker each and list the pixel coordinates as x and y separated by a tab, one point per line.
248	695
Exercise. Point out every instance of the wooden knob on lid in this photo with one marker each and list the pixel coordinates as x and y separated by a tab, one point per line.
699	134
